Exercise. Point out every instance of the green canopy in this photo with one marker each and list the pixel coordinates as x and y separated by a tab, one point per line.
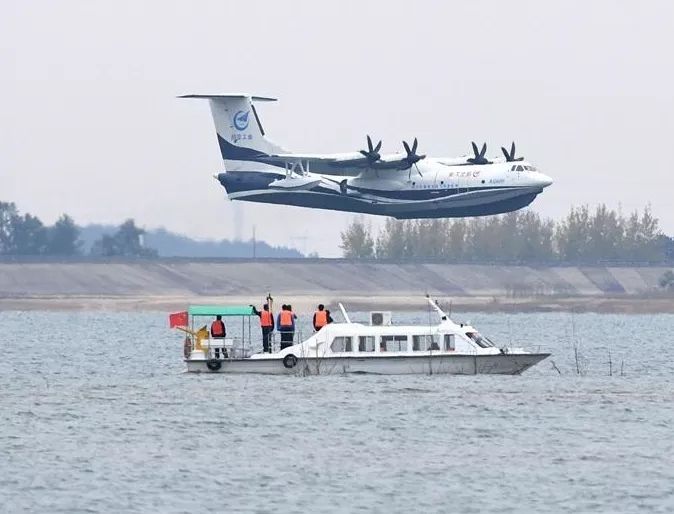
215	310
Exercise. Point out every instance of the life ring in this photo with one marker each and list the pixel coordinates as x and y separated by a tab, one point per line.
213	364
289	361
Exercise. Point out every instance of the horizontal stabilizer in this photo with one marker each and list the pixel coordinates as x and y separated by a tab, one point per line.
240	95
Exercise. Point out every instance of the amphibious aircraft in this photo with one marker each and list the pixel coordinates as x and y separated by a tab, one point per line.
401	185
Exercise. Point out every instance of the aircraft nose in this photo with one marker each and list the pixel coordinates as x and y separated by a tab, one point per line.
544	180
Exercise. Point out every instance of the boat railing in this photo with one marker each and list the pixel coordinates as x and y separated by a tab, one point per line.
276	338
226	348
241	348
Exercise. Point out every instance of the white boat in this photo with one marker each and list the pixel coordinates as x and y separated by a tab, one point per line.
341	348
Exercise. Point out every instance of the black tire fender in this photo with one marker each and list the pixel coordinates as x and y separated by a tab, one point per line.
289	361
213	364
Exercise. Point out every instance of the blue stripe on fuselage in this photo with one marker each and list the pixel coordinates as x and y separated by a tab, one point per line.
324	198
236	182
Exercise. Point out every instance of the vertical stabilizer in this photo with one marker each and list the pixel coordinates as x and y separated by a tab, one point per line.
239	130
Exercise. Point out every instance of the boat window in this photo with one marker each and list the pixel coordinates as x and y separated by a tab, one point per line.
366	344
423	343
480	340
393	344
341	344
449	343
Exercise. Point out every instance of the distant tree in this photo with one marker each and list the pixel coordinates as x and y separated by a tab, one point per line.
667	245
106	246
667	280
642	241
430	239
572	235
605	235
62	237
523	236
534	238
126	242
29	235
455	246
357	242
391	242
8	213
484	241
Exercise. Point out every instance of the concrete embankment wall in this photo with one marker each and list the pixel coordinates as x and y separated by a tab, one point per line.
316	277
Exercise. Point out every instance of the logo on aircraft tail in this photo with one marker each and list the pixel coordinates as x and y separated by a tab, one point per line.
241	120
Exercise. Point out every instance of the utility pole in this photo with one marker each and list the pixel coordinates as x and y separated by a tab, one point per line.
254	244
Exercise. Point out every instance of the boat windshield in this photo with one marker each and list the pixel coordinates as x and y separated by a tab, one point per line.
480	340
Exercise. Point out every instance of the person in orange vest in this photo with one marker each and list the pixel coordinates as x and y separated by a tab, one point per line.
320	318
218	331
266	324
286	326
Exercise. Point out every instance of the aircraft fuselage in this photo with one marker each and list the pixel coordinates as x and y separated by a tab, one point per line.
435	190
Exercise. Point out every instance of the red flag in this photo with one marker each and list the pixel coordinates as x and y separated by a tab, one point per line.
178	319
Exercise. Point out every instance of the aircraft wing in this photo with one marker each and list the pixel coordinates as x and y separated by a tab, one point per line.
344	165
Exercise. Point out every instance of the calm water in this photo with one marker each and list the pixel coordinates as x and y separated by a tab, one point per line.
97	416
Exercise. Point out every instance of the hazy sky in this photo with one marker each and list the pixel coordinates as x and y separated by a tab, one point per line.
90	124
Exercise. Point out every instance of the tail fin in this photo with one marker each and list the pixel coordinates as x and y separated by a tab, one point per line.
239	130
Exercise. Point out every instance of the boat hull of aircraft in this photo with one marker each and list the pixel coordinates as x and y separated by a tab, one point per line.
435	203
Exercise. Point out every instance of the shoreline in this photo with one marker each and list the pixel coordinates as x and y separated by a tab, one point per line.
307	302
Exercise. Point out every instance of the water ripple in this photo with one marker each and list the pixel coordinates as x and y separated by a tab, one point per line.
97	420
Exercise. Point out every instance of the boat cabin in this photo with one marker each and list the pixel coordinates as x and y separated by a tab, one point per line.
364	340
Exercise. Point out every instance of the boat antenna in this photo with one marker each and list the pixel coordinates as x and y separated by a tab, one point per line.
346	316
434	304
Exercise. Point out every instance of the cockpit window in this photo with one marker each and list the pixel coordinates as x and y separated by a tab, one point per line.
520	168
513	168
480	340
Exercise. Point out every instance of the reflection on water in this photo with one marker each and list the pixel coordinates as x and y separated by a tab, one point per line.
98	416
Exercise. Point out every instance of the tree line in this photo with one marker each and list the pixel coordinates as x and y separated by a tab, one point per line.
583	236
25	234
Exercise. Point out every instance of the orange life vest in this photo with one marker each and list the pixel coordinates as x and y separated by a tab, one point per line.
266	319
286	319
217	328
321	319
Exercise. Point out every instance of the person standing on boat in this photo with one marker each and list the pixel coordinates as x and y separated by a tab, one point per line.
286	326
320	317
218	331
266	324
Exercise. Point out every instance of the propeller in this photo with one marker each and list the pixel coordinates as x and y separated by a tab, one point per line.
412	158
510	157
372	153
479	155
